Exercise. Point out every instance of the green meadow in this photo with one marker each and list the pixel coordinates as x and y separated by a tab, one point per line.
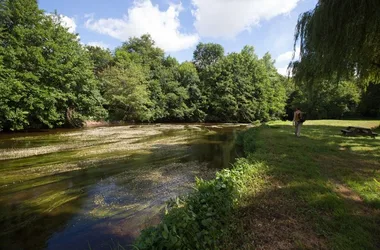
322	190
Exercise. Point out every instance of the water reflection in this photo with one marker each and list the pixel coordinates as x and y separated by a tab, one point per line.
112	198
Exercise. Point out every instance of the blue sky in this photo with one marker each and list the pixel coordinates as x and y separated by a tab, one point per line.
177	26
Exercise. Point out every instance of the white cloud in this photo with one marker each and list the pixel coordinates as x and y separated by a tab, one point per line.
65	21
144	17
69	23
284	59
227	18
287	56
99	44
283	71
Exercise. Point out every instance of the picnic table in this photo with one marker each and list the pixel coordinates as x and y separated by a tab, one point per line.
353	131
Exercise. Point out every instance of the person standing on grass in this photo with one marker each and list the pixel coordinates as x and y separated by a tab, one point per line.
297	121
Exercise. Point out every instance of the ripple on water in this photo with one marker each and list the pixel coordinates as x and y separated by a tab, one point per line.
99	184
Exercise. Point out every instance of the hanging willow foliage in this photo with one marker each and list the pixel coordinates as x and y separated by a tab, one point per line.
339	38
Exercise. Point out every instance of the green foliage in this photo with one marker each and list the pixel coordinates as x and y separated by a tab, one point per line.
199	220
125	90
48	79
324	100
196	103
175	95
344	43
168	98
277	91
370	101
334	47
243	88
206	54
175	101
100	57
246	140
143	50
44	72
235	88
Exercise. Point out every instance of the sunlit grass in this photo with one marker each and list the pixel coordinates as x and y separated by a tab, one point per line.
335	123
333	179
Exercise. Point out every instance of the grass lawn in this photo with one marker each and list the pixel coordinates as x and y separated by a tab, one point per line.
322	190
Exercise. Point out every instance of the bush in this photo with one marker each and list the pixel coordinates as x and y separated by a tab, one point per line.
247	140
199	220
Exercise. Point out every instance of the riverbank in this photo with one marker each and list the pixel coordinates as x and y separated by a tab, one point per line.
320	191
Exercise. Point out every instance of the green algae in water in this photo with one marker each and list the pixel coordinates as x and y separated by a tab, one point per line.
98	184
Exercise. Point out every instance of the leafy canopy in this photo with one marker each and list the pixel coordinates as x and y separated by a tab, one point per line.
339	38
44	70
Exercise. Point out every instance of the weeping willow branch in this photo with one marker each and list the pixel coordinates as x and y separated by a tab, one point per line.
339	37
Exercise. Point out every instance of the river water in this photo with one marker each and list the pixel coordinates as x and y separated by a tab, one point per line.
98	188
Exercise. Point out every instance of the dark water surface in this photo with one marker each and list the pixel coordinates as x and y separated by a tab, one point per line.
95	188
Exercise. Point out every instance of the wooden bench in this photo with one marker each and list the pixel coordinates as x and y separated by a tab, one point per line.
354	131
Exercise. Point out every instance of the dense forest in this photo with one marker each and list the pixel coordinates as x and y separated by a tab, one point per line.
49	79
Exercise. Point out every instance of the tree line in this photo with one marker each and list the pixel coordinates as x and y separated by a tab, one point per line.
139	83
49	79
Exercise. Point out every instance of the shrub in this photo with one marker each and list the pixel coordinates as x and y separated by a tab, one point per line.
199	220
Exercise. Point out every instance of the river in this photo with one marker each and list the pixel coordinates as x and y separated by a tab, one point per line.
97	188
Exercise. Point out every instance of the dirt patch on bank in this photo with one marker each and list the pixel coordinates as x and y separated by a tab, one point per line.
272	219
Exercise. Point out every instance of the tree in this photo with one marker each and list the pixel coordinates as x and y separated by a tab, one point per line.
340	47
276	93
241	89
143	50
340	38
126	92
326	99
207	54
45	72
189	79
175	95
370	101
101	58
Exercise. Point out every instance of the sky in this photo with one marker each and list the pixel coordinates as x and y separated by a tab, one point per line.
177	26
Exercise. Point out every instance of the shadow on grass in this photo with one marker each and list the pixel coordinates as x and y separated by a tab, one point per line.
280	219
303	208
